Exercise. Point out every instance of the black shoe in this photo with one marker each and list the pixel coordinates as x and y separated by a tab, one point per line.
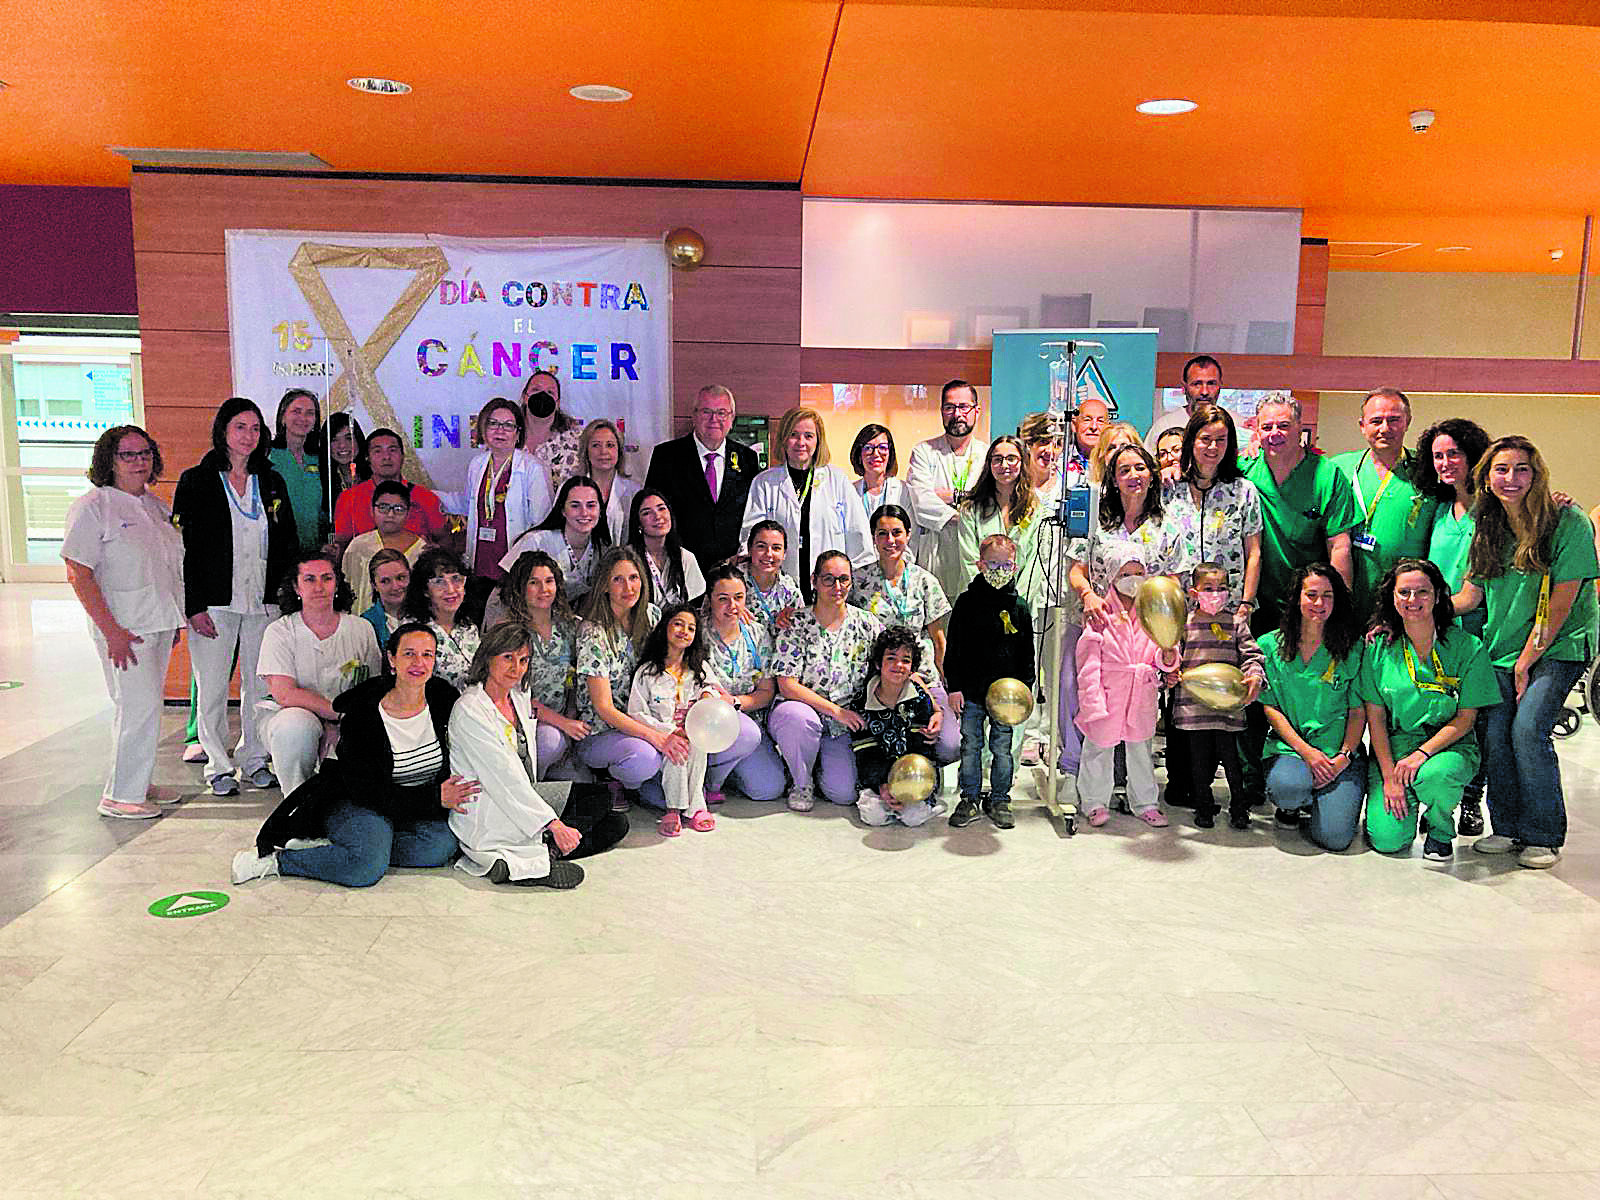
1435	850
1287	818
1238	819
563	876
966	812
1177	799
1470	822
498	871
1204	819
998	810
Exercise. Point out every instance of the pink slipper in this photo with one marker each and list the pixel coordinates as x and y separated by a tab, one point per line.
713	797
1099	815
670	824
702	822
1152	817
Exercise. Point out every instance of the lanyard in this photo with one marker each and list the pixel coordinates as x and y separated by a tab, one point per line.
574	559
903	605
1445	684
761	597
1327	676
811	477
1541	616
866	497
959	482
254	513
1361	493
492	491
733	651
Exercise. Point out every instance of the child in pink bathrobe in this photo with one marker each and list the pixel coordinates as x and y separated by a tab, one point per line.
1119	681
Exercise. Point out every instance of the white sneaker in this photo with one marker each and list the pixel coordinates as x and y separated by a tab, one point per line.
247	865
1495	843
306	843
1538	858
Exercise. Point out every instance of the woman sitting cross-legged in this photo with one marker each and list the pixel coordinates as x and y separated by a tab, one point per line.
515	831
383	801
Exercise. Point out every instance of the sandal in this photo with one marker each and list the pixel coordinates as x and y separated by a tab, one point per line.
1099	815
702	822
670	824
1152	817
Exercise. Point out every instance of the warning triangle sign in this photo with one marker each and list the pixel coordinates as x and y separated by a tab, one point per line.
1092	385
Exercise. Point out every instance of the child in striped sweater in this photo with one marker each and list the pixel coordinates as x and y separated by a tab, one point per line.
1215	634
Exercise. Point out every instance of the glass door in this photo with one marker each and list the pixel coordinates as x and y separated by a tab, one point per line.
58	394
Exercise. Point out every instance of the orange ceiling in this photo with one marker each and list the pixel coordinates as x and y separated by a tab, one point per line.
1021	100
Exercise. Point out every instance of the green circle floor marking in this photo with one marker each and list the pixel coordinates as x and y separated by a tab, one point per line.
189	904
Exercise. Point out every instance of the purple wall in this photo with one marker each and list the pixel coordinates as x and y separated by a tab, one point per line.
66	250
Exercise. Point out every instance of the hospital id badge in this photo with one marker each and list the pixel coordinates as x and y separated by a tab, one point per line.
1365	541
486	535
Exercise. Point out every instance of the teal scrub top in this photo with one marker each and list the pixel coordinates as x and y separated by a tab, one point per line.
1315	697
306	499
1512	598
1417	710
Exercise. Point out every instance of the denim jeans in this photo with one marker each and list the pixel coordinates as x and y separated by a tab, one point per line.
1525	800
365	844
1001	768
1335	809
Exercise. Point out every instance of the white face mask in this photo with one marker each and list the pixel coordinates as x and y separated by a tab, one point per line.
1129	585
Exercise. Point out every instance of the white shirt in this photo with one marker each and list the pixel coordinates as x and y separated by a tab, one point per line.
135	553
1174	418
837	522
249	517
327	665
719	460
508	817
576	570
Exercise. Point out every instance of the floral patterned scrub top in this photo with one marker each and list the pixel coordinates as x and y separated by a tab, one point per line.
741	664
559	454
610	656
1158	543
551	674
834	665
765	606
456	649
917	601
1215	531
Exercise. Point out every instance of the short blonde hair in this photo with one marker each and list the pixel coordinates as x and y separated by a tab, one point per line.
589	431
786	426
1107	443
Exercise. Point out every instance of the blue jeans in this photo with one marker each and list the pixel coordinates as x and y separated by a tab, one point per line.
1001	768
1335	809
366	844
1525	801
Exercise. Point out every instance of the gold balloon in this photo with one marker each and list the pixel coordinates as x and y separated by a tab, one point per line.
685	248
912	779
1009	701
1162	611
1216	685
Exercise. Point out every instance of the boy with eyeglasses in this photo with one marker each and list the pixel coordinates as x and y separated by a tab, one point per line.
391	507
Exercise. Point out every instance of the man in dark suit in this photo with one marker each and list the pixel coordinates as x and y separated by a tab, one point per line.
706	476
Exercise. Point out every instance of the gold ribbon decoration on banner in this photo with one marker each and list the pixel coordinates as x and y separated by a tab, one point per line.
361	362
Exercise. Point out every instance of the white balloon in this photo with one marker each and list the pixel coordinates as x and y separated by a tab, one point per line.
711	725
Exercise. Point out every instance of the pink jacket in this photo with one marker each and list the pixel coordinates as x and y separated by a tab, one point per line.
1118	682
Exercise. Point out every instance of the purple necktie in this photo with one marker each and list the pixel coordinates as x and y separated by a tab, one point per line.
711	475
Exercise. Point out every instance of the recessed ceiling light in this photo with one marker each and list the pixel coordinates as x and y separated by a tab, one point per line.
378	86
1453	249
1166	108
601	93
1557	254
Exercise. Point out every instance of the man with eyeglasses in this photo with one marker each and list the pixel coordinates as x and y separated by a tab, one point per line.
391	506
705	476
353	513
1202	384
943	469
1088	423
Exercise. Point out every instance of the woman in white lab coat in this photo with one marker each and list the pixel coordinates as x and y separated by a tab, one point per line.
816	502
602	458
510	831
507	490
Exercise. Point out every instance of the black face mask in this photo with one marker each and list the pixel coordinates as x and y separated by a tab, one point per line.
542	404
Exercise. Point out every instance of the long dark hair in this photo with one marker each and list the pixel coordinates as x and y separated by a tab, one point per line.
435	560
337	423
217	457
1111	514
672	544
1386	622
514	589
1338	635
1228	468
556	519
289	600
654	652
985	495
1493	539
280	437
1468	435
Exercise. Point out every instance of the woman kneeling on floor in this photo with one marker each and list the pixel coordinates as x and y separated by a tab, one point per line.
514	831
381	802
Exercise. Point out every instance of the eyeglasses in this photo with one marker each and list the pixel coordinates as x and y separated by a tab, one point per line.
392	510
716	414
447	581
129	456
501	426
968	407
875	450
1414	593
833	581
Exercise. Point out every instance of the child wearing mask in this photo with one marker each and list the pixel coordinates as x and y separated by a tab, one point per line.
991	637
1119	683
1215	634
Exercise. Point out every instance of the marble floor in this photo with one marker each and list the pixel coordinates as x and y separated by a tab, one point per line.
792	1007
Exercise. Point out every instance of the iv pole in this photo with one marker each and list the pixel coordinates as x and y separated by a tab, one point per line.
1063	405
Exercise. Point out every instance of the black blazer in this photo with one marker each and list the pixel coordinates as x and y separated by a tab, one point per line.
708	531
363	773
200	509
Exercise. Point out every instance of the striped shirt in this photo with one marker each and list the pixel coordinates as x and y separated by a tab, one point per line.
415	746
1219	639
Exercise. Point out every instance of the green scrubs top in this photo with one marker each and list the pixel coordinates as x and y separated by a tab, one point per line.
306	499
1448	544
1513	598
1313	504
1393	513
1417	710
1315	697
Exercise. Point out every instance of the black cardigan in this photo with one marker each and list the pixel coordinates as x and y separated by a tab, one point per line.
200	509
363	773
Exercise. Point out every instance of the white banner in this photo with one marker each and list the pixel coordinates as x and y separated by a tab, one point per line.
416	332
